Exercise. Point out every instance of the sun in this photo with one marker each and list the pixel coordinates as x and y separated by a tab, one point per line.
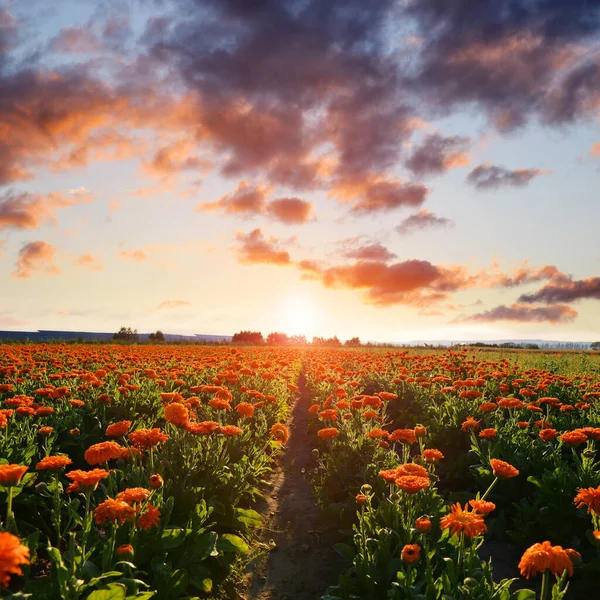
299	316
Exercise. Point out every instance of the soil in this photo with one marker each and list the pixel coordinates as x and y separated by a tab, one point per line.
299	561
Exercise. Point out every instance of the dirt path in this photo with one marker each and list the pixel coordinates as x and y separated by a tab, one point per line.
301	564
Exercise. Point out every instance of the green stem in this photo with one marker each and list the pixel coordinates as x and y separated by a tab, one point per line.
546	587
9	515
490	488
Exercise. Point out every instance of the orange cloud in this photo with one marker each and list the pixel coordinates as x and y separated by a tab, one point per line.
438	154
247	199
290	211
36	257
255	249
29	211
89	261
595	149
135	256
424	219
170	304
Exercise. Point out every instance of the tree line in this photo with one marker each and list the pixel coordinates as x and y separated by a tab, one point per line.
255	338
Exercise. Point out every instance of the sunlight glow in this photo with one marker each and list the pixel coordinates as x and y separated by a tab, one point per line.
299	315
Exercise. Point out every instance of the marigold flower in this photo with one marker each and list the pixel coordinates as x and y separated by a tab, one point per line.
85	481
463	521
596	535
404	436
75	431
589	497
52	463
470	423
147	438
155	481
328	433
219	404
76	403
420	431
410	553
13	554
483	507
280	433
541	557
411	469
503	469
329	414
377	434
368	414
125	550
522	424
103	452
389	475
245	409
432	455
411	484
314	408
573	438
133	495
488	434
423	525
231	430
177	414
548	434
361	499
202	428
11	475
488	407
151	518
118	429
114	511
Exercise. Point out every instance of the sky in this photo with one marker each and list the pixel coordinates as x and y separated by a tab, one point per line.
393	170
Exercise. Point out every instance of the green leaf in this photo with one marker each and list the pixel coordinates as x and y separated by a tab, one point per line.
113	591
228	542
535	481
178	582
524	595
345	551
172	538
141	596
249	517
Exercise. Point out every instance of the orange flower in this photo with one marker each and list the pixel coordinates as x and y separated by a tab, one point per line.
488	407
405	436
410	553
219	404
245	409
12	555
503	469
361	499
548	434
115	511
541	557
11	474
328	433
202	428
573	438
177	414
482	506
125	550
488	434
118	429
155	481
52	463
45	430
589	497
432	455
281	433
420	431
411	484
470	423
329	414
133	495
103	452
147	438
151	518
231	430
423	525
377	434
86	480
463	521
411	469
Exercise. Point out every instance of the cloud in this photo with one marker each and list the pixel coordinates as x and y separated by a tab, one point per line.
255	249
438	154
424	219
175	158
78	40
595	149
487	176
36	257
375	252
170	304
135	256
555	314
290	211
29	211
88	261
7	320
247	200
565	289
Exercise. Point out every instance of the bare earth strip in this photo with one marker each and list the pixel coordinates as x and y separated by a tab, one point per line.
302	563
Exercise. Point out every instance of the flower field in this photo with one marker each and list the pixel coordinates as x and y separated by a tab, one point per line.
134	471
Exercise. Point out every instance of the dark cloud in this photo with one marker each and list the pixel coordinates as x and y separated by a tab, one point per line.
256	249
36	257
248	199
437	154
556	313
290	211
424	219
485	176
374	196
565	289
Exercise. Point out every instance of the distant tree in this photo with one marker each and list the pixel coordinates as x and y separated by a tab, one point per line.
595	346
332	342
297	340
126	334
353	342
248	338
277	339
159	336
